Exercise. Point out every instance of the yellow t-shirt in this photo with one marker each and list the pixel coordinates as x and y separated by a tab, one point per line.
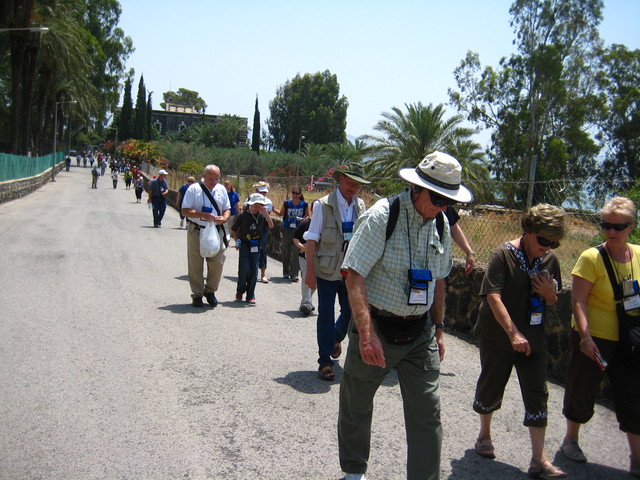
601	307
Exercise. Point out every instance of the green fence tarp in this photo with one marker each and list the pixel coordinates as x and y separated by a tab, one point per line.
14	167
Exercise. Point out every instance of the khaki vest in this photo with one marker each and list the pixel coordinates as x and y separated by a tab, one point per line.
329	254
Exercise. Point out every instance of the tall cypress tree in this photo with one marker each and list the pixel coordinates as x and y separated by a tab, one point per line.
255	139
126	114
140	114
150	135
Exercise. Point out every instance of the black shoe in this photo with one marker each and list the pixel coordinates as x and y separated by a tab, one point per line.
197	302
211	299
306	310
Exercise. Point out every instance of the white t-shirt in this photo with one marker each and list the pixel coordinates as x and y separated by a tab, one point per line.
196	199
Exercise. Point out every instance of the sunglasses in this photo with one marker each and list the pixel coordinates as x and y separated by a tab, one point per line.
295	193
439	200
618	227
543	242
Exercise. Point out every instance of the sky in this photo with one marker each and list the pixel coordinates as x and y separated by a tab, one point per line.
385	53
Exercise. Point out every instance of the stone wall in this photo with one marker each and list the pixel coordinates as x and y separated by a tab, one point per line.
12	189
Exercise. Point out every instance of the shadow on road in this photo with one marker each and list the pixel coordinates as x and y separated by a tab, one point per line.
473	466
183	308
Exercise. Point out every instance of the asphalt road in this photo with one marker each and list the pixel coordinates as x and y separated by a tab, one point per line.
107	372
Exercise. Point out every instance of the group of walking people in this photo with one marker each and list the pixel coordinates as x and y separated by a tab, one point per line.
387	266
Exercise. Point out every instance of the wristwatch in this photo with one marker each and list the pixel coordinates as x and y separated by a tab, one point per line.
439	325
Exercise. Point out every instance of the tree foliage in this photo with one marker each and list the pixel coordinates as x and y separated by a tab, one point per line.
620	83
80	59
125	119
184	97
310	103
541	102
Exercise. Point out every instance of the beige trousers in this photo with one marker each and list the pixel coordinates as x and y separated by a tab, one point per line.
197	281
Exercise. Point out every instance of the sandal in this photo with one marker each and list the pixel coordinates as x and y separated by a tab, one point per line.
337	350
325	372
545	470
485	448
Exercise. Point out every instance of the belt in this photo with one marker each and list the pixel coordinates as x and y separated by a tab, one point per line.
384	314
196	225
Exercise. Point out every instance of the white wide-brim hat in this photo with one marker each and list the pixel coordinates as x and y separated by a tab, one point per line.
440	173
256	198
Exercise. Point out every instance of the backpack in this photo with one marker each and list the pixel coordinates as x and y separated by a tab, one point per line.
394	211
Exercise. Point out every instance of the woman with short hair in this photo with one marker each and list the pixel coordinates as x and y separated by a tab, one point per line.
522	278
599	339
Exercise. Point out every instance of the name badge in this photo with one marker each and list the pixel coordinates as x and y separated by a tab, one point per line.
631	302
207	209
631	295
419	280
255	245
347	231
536	309
292	225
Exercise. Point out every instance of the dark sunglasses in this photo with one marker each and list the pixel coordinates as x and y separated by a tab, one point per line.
295	193
439	200
618	227
543	242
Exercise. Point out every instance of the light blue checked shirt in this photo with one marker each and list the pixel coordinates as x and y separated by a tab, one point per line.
384	264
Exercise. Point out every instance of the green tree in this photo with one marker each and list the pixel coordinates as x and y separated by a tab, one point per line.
140	112
541	102
150	130
620	83
407	137
184	97
227	129
310	103
255	137
125	120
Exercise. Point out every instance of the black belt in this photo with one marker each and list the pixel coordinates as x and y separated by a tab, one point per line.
384	314
197	226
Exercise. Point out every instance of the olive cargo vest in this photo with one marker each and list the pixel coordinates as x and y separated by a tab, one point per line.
329	254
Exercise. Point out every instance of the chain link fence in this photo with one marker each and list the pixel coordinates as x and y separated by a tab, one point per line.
13	167
492	219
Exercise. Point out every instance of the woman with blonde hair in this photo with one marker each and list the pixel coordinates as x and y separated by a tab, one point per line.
522	278
605	300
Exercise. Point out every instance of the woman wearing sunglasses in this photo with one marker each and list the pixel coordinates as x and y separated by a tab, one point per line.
596	340
293	211
522	277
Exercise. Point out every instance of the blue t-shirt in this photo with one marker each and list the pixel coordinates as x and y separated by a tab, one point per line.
183	189
233	200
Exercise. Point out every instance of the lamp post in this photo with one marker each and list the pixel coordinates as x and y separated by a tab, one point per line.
115	144
55	138
24	29
302	137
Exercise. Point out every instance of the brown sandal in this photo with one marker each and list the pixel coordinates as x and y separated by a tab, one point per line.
545	470
337	350
485	448
325	372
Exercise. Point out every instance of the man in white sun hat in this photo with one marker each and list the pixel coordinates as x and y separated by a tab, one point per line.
393	283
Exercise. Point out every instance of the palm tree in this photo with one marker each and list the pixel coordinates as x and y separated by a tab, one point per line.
408	137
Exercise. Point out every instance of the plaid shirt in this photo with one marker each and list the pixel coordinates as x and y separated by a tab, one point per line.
385	263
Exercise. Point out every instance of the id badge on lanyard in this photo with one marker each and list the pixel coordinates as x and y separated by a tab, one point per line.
631	295
347	233
536	309
255	245
419	282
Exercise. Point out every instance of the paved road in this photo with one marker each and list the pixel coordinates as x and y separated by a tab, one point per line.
107	372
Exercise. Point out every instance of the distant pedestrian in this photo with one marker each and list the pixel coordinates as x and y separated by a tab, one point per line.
306	301
128	177
247	230
234	200
139	187
181	192
293	211
94	177
114	177
158	190
204	202
263	188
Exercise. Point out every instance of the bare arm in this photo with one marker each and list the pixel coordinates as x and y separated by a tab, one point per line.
460	239
310	278
518	341
437	314
370	346
580	291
